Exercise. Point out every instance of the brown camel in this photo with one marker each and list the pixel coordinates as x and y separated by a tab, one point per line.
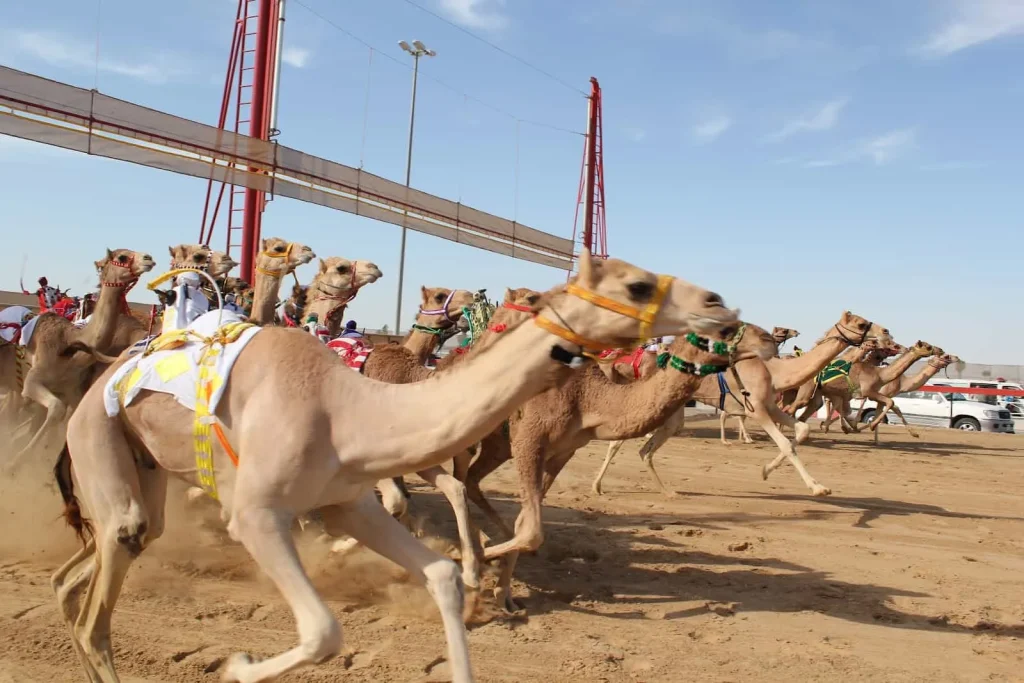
864	380
312	434
782	374
547	431
60	355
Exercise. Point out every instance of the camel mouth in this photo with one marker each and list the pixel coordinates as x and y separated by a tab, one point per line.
704	323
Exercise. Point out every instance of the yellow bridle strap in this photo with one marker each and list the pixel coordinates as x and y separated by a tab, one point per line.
588	345
645	315
160	279
287	253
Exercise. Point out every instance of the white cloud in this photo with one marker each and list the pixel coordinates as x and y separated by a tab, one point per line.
66	52
709	131
476	14
975	22
879	150
635	134
295	56
824	118
885	148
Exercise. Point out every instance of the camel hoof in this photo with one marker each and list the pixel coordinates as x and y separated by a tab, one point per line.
913	434
820	491
670	494
234	668
725	443
505	601
765	472
342	545
596	488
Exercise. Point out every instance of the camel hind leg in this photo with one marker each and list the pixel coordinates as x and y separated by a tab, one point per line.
471	549
56	411
613	448
741	425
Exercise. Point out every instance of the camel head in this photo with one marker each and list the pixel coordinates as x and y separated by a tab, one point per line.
344	277
783	334
945	360
122	267
522	296
221	264
923	349
277	257
441	308
751	340
605	301
234	285
190	256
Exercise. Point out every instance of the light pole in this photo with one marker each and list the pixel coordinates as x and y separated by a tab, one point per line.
417	50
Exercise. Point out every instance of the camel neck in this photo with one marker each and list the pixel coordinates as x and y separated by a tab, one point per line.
98	333
790	373
898	367
919	379
425	422
425	337
264	298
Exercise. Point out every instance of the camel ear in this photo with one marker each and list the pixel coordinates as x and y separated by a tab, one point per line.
323	266
172	252
99	264
423	292
508	295
586	274
263	245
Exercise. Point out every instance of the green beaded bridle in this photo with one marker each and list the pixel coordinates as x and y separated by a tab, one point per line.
719	348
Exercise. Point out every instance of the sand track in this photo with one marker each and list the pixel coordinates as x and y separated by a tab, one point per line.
912	571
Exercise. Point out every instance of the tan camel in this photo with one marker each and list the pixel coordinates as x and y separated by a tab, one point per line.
864	380
904	384
548	430
623	367
781	335
60	355
336	283
276	259
782	374
313	434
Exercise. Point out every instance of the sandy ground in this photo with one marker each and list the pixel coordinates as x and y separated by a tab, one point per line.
912	571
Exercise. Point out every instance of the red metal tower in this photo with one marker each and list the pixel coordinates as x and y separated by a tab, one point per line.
594	234
251	87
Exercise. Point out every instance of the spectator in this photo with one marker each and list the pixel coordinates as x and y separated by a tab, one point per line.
351	331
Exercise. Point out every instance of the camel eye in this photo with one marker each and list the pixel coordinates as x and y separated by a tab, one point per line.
342	269
533	299
640	291
439	298
279	249
122	259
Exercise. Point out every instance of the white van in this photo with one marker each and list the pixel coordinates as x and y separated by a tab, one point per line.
933	409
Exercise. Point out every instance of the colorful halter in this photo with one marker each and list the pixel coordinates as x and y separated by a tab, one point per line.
645	315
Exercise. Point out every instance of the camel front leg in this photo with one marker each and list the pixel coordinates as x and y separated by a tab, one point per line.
613	448
455	491
767	415
722	417
373	527
495	451
656	440
529	531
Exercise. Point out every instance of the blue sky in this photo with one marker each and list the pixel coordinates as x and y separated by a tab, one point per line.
800	157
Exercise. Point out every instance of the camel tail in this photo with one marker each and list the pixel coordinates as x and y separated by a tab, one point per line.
82	347
72	510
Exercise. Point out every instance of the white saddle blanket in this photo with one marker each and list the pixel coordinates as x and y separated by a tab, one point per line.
176	371
13	319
